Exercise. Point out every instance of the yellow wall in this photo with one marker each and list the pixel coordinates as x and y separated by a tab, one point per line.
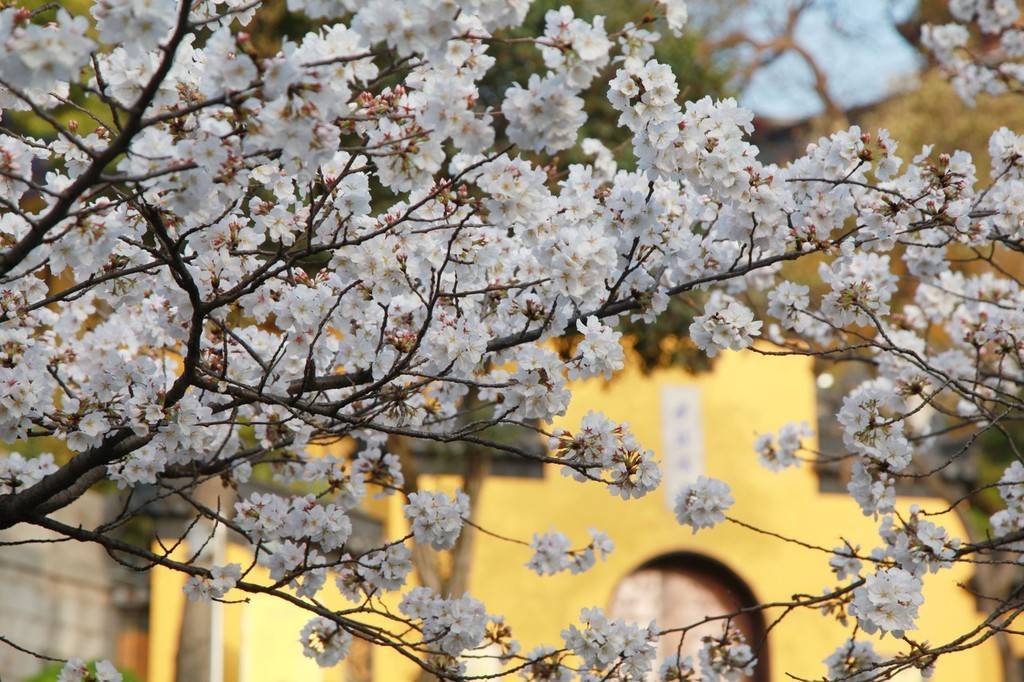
166	611
745	394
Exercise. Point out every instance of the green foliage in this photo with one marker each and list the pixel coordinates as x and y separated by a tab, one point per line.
29	123
998	452
665	342
52	671
698	76
520	59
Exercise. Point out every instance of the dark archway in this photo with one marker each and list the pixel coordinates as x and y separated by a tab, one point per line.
683	587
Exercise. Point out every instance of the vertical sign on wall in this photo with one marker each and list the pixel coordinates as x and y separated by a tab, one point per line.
682	436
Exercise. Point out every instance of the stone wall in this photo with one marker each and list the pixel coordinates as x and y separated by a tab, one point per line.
61	599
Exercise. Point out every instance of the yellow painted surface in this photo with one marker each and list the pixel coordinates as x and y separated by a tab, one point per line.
166	611
261	634
744	395
270	648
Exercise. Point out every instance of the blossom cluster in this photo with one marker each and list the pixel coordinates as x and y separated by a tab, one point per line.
887	602
873	428
1010	519
450	625
77	670
726	658
607	646
214	586
604	450
272	517
351	240
553	553
376	571
18	473
703	503
726	323
435	518
324	641
917	545
997	22
778	452
854	661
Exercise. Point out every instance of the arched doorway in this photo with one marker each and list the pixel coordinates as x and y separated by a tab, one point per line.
681	588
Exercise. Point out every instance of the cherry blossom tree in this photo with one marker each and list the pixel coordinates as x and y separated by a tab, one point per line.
216	260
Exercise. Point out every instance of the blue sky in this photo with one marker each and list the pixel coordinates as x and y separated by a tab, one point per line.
853	41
